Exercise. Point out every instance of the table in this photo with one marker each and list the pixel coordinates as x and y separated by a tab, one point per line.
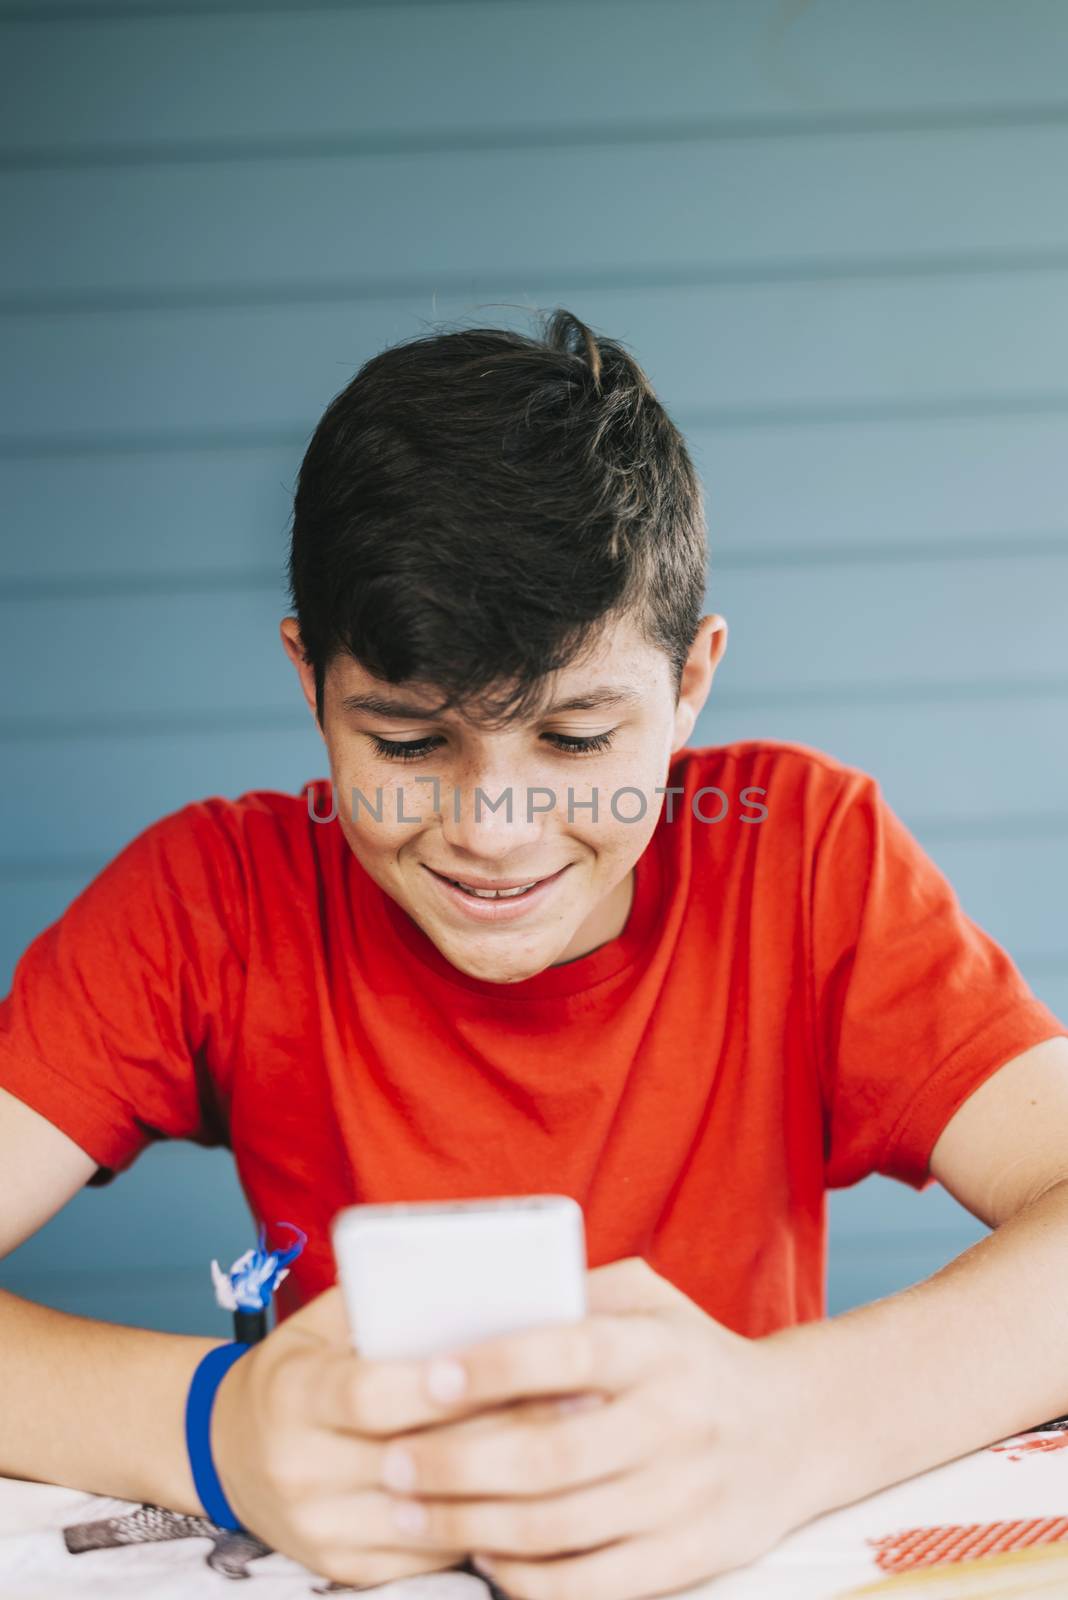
920	1537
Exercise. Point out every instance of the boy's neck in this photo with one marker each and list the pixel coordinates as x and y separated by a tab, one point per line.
604	923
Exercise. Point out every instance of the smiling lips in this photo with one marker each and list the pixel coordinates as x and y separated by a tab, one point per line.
496	900
494	894
494	885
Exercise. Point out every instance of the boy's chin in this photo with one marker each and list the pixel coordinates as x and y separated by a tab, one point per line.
498	967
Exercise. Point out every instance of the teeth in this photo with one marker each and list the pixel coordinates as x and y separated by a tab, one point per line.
495	894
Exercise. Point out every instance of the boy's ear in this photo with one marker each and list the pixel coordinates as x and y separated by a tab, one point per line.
705	655
289	631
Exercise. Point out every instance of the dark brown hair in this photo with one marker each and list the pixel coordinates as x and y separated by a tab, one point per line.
477	504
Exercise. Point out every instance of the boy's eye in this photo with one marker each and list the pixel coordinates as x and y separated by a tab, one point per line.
416	749
412	750
572	742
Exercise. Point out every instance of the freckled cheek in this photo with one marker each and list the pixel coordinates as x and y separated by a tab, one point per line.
378	843
621	785
364	791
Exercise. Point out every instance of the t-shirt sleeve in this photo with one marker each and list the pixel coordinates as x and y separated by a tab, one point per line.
123	1014
915	1003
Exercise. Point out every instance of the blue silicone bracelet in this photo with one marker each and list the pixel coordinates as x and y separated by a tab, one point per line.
198	1408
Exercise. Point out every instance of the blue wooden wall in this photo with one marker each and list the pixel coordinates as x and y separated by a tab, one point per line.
835	235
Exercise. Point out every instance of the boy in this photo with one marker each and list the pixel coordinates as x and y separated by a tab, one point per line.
527	939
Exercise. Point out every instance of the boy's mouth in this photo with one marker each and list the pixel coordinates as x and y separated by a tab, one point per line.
484	900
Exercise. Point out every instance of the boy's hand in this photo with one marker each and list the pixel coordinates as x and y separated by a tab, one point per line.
694	1463
298	1434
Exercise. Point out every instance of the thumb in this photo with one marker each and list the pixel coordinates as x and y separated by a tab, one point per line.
322	1319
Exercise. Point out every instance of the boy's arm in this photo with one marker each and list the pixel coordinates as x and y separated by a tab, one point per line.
86	1404
298	1432
42	1168
978	1351
96	1406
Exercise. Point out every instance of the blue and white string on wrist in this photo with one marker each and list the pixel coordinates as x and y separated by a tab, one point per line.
247	1288
245	1291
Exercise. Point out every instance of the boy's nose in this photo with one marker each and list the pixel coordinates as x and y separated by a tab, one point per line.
496	820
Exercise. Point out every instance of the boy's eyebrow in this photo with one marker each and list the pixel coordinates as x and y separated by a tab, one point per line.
377	705
607	695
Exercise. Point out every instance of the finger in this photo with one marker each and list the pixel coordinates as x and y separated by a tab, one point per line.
346	1462
519	1457
353	1565
323	1319
545	1409
652	1496
336	1464
601	1353
324	1463
374	1398
377	1399
362	1522
659	1563
386	1397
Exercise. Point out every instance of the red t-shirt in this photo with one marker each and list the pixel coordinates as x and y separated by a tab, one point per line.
797	1000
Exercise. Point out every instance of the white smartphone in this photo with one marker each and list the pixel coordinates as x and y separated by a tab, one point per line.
422	1277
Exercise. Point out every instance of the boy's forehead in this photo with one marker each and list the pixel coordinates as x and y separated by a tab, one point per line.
423	700
619	674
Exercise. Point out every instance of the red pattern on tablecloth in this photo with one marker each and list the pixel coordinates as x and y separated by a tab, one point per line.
1028	1445
932	1547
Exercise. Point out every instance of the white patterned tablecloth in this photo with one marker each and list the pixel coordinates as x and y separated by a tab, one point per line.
57	1543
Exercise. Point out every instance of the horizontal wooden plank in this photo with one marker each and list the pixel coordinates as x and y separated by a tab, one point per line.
1051	986
1016	889
155	654
773	207
89	521
869	1269
838	632
910	486
81	799
719	356
59	805
438	70
889	625
933	757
